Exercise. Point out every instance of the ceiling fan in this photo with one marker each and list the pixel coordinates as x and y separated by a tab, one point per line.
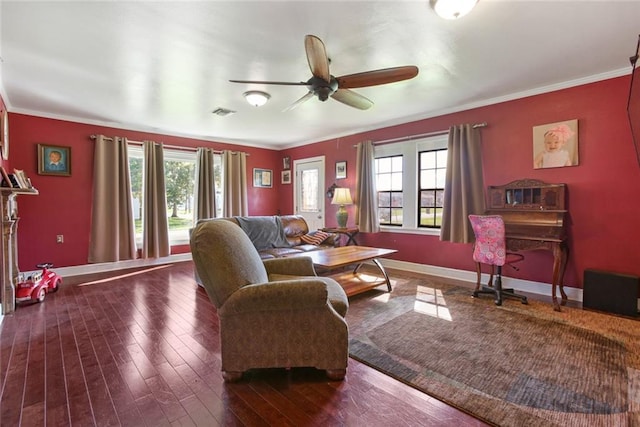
323	85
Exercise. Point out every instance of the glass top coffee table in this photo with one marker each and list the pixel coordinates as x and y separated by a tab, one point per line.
342	256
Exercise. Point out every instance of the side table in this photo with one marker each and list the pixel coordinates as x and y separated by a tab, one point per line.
350	232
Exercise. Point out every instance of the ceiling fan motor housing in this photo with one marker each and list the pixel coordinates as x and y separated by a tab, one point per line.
322	88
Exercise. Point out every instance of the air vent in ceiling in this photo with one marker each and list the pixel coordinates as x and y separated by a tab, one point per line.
222	111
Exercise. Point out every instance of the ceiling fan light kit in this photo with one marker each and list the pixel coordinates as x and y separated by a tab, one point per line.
323	85
453	9
256	97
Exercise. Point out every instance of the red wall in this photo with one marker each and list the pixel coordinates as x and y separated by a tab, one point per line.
64	203
603	190
603	197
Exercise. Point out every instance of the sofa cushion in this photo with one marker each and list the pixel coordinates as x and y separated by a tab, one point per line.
315	237
280	252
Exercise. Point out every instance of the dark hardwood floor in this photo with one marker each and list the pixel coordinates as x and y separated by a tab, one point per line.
141	348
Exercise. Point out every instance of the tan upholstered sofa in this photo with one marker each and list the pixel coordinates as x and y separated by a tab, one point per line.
273	312
277	236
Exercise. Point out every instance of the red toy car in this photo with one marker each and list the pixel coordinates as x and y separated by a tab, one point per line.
36	286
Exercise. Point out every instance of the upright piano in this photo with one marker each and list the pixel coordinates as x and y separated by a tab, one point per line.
534	215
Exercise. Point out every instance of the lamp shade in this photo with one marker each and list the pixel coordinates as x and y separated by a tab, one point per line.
453	9
341	196
256	98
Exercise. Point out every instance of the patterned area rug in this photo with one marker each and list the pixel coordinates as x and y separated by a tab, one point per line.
515	365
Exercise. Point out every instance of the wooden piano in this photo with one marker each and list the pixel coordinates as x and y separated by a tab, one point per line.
534	215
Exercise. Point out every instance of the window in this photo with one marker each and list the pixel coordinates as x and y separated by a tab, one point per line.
136	159
179	168
389	186
410	178
433	173
179	181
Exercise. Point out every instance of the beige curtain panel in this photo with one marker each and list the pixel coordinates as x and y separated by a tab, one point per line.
112	227
205	197
234	169
464	187
155	234
366	193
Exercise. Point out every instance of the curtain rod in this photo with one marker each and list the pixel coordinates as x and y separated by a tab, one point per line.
173	147
422	135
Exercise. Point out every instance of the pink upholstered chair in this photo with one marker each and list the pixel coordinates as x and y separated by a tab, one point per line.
490	248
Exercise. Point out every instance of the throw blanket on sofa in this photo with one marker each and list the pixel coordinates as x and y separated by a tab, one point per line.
264	231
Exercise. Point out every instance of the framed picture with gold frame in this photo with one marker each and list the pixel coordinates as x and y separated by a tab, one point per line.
54	160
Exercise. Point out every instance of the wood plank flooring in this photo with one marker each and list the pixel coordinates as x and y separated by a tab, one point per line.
138	348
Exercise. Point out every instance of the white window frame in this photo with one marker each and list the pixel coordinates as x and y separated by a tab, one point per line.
409	151
172	155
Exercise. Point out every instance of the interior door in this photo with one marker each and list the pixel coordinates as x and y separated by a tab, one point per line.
309	190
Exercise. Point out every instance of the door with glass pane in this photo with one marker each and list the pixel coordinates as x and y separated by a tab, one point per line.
309	191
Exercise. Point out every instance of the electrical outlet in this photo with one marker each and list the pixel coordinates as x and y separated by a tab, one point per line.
60	238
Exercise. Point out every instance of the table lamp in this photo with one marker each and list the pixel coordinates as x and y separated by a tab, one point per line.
342	196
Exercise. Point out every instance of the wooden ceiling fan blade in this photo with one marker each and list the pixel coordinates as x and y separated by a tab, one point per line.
305	98
269	82
352	99
317	57
377	77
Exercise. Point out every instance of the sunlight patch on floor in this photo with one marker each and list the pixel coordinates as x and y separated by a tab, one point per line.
430	301
122	276
383	297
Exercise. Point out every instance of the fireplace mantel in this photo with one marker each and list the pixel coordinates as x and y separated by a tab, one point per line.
9	254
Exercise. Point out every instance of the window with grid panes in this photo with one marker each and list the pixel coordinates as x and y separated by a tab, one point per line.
389	172
432	168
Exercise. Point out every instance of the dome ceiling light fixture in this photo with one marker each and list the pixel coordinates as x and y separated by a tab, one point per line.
453	9
256	97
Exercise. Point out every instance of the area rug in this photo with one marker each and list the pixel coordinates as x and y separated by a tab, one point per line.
514	365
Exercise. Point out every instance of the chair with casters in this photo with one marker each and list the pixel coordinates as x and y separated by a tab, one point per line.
274	313
490	248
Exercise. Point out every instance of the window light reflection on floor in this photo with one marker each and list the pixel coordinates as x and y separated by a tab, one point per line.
430	301
109	279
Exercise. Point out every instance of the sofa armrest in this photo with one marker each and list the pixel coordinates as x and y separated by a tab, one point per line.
293	266
297	294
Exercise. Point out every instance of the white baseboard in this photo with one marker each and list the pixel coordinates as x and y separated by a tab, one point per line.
451	273
78	270
470	276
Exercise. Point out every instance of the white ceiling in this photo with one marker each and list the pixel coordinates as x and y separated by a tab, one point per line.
164	66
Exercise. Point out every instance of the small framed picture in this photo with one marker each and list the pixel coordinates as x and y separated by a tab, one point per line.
286	177
54	160
286	163
341	170
262	178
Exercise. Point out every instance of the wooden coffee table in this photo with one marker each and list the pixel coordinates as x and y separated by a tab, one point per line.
342	256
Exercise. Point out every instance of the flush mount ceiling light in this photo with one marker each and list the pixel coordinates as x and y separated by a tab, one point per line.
453	9
256	98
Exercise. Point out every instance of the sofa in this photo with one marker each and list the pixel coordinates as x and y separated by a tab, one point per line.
281	235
